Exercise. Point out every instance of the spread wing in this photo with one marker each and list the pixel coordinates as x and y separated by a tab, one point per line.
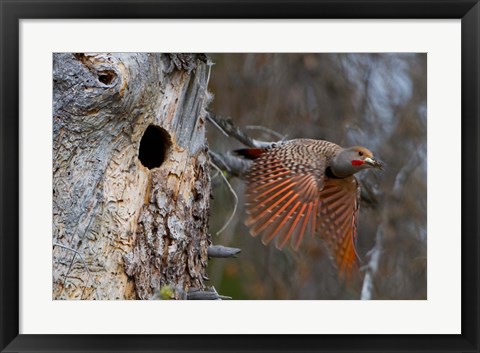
337	220
287	199
283	199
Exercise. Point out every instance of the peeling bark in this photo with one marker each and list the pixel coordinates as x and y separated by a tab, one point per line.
135	229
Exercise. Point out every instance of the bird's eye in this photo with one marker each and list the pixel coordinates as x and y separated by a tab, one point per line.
360	153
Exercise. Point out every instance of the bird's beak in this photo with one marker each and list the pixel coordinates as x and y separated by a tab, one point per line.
372	162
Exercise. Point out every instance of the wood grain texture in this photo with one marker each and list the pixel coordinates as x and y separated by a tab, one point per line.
136	228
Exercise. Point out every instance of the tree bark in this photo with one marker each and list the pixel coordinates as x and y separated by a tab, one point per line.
131	183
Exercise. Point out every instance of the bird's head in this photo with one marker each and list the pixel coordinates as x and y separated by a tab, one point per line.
352	160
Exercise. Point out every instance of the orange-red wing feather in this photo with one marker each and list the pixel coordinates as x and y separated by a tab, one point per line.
288	195
282	202
337	221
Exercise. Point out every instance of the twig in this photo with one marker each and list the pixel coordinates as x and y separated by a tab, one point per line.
68	271
220	251
209	64
76	252
267	130
234	195
215	157
195	294
225	125
234	165
214	122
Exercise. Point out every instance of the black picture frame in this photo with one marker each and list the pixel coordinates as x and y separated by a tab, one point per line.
12	11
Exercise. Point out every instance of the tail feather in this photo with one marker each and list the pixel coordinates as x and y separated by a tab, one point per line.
250	153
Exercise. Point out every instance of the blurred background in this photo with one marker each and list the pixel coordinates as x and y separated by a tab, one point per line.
375	100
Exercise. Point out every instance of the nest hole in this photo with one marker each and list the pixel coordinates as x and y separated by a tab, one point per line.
154	147
106	77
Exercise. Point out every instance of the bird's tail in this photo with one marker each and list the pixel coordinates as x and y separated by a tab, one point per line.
250	153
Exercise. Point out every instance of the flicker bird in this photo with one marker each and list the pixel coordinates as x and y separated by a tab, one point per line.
302	187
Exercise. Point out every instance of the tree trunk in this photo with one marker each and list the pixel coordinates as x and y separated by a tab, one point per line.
131	182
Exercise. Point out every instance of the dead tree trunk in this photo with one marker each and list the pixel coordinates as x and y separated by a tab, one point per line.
131	185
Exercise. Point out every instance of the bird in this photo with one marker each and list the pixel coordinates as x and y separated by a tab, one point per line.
307	186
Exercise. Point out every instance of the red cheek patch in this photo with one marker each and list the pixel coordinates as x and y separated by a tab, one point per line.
357	162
